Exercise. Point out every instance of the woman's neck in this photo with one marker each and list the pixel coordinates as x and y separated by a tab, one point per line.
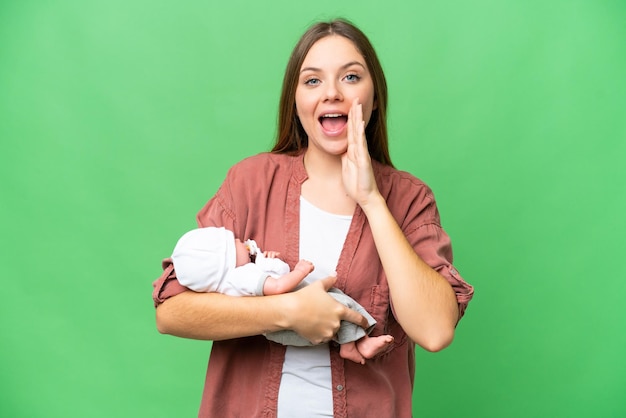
322	166
324	186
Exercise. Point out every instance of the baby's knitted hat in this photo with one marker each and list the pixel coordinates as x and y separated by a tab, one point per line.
203	256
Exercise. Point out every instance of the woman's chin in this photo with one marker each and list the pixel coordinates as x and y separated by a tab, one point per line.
334	146
335	150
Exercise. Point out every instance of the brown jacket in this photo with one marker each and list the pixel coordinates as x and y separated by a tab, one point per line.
260	200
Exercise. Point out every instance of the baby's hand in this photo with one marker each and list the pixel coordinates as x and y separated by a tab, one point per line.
271	254
304	266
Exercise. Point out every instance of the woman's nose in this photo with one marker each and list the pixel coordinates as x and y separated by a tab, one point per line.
333	92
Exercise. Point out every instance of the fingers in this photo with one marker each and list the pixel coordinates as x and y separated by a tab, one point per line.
359	123
357	144
351	125
328	282
355	317
355	121
316	315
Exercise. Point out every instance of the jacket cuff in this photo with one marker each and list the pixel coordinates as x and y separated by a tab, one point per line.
167	285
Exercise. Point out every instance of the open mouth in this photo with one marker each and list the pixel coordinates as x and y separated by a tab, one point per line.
333	122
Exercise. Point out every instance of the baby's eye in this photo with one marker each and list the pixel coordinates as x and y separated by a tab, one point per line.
352	78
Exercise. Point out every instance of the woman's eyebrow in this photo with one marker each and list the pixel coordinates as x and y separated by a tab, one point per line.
343	67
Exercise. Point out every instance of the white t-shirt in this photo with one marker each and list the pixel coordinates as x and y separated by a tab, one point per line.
305	387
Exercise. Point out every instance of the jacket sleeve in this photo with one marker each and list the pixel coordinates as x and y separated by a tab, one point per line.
433	245
423	230
167	284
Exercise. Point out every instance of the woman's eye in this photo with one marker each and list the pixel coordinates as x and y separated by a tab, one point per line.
311	81
352	78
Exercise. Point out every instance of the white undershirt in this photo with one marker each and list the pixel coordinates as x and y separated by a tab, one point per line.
305	388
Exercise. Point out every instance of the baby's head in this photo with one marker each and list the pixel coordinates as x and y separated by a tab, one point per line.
236	252
209	251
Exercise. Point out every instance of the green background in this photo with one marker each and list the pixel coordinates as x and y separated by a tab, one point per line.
119	119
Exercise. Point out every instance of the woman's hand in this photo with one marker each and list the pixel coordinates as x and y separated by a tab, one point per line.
316	316
358	176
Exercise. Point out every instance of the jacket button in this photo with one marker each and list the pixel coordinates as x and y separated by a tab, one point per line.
339	387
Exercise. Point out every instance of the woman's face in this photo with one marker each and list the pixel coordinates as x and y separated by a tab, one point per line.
332	75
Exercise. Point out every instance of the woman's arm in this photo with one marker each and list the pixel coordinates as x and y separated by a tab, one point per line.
424	302
310	312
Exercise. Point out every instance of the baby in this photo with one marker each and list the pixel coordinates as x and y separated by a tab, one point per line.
212	260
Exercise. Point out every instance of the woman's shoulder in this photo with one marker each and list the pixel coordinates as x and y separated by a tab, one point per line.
392	178
260	167
264	161
410	200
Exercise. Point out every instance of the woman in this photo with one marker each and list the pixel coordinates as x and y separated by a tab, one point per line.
371	231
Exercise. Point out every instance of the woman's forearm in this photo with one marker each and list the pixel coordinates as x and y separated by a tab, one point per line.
213	316
424	302
310	312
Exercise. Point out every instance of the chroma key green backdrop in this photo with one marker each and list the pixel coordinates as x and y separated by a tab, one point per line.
119	119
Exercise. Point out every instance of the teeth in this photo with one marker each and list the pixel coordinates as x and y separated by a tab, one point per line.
332	115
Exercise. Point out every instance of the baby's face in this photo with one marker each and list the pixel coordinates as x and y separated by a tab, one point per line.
243	255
